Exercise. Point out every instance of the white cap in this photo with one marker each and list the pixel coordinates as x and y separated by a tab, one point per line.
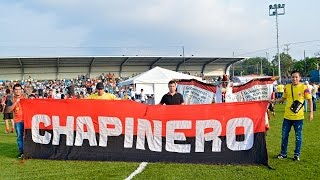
306	82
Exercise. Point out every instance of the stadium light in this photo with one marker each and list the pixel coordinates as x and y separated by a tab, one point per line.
276	10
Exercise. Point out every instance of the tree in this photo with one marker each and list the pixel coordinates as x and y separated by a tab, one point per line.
253	66
304	66
312	64
300	66
286	64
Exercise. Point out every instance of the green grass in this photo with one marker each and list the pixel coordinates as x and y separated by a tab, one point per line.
307	168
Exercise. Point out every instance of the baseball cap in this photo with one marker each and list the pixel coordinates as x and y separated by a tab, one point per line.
99	85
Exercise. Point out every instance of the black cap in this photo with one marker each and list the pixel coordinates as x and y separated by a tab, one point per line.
100	85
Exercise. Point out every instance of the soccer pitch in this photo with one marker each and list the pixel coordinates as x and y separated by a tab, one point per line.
307	168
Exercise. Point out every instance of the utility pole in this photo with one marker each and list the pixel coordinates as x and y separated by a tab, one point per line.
286	49
305	63
274	11
184	60
232	66
261	71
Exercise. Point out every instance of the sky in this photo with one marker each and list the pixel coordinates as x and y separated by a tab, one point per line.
224	28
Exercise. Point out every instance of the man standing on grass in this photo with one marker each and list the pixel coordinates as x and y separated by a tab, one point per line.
7	116
17	116
295	93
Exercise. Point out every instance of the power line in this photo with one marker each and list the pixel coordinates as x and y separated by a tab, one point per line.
266	49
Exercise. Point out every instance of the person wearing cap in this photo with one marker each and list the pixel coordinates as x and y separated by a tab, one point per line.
100	94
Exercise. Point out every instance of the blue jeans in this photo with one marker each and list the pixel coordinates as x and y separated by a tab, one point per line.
314	100
286	127
20	131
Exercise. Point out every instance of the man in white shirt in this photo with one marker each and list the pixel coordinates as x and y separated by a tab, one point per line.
143	97
58	95
314	95
305	101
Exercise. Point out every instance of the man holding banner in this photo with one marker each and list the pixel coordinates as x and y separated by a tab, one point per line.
17	116
101	94
294	94
224	91
172	97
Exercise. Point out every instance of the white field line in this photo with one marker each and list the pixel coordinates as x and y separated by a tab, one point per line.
141	167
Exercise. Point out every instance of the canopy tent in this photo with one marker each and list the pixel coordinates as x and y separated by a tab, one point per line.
155	81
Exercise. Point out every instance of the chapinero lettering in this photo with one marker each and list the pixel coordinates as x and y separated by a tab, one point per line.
148	132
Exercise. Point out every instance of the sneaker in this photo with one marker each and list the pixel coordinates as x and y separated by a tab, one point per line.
296	158
280	156
20	156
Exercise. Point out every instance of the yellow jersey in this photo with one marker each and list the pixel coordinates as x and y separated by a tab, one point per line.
106	96
300	93
280	88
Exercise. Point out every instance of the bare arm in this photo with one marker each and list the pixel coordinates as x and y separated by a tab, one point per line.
282	99
10	108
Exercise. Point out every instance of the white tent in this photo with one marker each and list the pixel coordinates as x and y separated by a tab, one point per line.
155	81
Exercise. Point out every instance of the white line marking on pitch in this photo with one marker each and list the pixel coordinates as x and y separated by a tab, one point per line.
141	167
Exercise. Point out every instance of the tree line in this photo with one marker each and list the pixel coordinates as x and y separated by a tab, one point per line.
270	68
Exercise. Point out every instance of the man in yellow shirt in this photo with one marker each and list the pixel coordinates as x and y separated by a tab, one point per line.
292	92
100	94
280	90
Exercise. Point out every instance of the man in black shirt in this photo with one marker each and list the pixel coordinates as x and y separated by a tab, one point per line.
172	97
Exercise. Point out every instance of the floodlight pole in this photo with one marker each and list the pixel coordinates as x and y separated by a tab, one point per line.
274	11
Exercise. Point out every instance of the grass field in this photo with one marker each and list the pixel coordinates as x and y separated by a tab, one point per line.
307	168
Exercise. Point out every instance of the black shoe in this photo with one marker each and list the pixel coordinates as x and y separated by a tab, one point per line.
280	156
296	158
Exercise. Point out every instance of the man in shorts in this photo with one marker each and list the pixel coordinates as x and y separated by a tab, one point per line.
7	116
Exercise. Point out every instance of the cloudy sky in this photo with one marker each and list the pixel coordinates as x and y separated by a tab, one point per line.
156	27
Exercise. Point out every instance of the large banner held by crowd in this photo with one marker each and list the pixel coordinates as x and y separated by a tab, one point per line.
228	133
197	92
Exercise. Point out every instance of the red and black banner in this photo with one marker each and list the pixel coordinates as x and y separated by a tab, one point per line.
228	133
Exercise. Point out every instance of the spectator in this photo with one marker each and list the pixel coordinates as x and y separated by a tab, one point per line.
305	101
101	94
58	95
143	97
314	95
7	116
126	96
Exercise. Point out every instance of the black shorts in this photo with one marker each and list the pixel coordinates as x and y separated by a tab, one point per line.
7	116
